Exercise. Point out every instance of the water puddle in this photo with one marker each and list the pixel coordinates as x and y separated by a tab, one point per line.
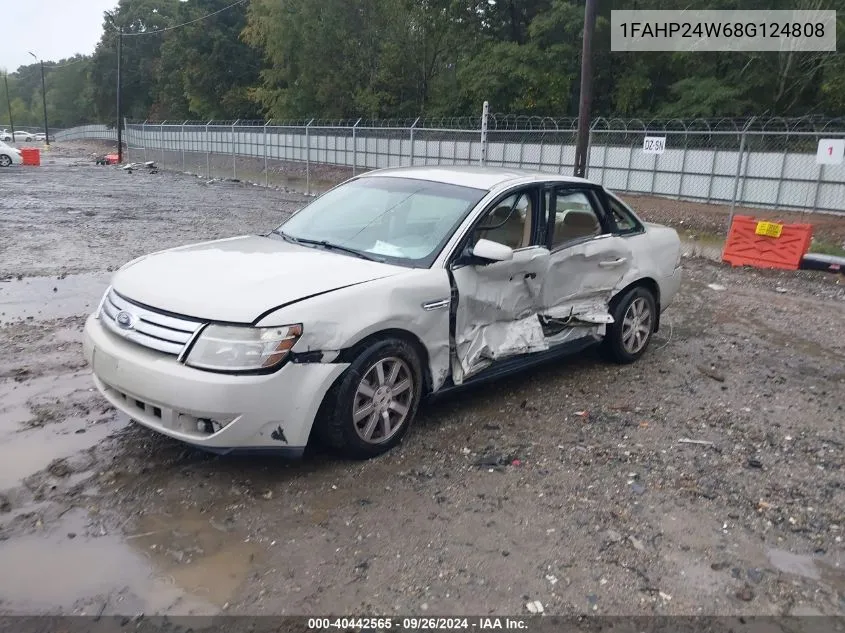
200	552
48	418
708	249
797	564
51	298
86	574
828	570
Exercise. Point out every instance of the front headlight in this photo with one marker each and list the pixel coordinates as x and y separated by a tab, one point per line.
99	311
237	349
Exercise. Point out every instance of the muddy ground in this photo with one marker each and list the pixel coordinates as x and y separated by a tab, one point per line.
705	479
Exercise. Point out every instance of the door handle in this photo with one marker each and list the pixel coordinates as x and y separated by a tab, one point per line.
613	262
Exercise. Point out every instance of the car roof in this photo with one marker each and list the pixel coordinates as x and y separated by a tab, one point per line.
477	177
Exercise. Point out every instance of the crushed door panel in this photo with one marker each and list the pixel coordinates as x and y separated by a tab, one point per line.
497	311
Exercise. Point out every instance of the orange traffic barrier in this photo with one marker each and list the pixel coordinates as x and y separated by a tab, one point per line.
31	156
765	244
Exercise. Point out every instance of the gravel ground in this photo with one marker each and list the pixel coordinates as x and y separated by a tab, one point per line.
705	479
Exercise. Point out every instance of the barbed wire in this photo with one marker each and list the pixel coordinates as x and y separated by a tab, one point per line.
524	123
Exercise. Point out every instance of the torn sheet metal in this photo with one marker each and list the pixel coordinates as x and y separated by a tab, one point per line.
485	344
502	307
496	297
595	311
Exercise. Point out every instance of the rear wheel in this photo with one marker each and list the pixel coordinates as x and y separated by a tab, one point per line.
5	161
370	409
634	315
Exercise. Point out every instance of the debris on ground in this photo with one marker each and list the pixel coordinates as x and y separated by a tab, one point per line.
711	372
534	607
684	440
637	543
746	594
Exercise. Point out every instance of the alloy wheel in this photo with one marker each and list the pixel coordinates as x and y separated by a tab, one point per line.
383	400
636	325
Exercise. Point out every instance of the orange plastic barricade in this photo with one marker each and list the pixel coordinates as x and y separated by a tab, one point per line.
111	159
765	244
31	156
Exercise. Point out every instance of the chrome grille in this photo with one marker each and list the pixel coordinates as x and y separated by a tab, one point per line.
148	327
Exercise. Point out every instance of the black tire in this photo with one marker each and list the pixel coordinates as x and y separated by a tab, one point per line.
335	424
5	160
615	347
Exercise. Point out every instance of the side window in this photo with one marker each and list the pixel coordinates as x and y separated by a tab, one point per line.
509	222
625	222
572	217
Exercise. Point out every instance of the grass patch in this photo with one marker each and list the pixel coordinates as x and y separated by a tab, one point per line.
702	238
827	248
821	247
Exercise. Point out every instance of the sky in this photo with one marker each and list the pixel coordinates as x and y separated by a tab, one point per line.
52	29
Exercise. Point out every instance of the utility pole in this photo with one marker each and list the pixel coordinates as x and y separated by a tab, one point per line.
583	141
43	100
9	104
119	29
119	105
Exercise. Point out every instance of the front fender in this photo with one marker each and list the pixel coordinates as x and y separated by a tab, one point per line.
415	302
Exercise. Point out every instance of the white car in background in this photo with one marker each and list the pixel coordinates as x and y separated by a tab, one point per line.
18	136
393	286
9	155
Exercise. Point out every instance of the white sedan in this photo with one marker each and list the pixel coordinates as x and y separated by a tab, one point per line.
9	155
396	285
18	136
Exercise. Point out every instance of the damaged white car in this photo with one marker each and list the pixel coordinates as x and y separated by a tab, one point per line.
9	155
393	286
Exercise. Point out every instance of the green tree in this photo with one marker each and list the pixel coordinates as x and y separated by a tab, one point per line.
205	70
140	63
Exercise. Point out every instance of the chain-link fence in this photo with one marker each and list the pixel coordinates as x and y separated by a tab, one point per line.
768	163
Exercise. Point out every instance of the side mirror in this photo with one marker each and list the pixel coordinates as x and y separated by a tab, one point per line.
490	251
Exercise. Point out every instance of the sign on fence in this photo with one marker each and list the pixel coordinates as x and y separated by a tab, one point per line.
831	151
654	144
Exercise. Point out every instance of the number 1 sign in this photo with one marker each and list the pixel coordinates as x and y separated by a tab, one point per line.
831	151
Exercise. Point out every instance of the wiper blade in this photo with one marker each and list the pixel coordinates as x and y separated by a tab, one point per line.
331	246
285	236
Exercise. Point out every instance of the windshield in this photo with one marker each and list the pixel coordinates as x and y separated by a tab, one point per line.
401	220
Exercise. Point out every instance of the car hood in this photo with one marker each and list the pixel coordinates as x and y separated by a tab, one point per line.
239	279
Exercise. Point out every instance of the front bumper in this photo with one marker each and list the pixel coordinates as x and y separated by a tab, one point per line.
273	411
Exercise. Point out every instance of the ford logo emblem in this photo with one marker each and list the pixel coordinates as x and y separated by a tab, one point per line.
125	320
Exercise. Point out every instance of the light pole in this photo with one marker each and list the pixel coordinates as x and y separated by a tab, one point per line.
43	99
119	87
9	105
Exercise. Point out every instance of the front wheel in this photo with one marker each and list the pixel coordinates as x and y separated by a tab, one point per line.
5	161
634	315
370	409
